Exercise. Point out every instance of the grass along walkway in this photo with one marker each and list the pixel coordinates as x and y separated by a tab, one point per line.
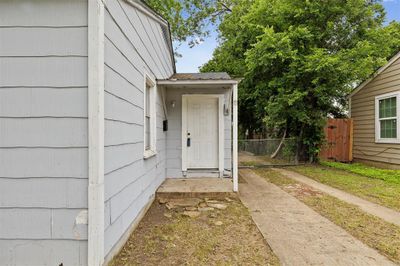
388	175
210	237
387	214
371	230
380	191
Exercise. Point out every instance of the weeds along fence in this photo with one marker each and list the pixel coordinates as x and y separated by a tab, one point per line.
268	146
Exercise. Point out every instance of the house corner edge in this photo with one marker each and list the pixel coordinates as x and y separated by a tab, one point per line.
95	132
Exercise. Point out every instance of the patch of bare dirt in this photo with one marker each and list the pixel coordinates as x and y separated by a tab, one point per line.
196	232
301	190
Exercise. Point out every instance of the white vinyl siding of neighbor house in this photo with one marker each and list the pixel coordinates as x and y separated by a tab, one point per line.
174	133
134	45
364	112
43	132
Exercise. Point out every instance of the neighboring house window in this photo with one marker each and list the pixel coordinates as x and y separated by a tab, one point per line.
387	118
149	117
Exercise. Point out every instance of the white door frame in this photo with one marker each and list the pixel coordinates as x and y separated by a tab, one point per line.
221	129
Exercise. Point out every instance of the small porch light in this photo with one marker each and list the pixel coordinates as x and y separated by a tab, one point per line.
226	110
173	103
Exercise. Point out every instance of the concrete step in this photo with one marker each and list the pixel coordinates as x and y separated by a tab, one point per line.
205	187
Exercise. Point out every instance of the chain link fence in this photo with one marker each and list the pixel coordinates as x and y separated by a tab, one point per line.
266	147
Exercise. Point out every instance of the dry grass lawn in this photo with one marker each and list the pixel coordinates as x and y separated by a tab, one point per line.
217	237
373	231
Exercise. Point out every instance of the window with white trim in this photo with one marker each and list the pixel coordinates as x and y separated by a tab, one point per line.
387	118
149	117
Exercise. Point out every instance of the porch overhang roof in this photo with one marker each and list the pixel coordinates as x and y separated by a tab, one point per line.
196	82
212	78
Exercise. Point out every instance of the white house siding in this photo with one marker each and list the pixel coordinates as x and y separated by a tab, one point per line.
134	44
174	134
43	132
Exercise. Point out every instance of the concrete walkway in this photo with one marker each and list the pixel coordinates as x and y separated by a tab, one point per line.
296	233
382	212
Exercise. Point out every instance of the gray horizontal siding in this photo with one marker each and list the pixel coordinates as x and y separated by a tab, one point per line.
144	30
42	224
43	132
42	41
43	162
65	225
126	176
43	71
43	102
27	132
32	224
43	193
119	87
118	133
115	230
120	110
122	64
157	35
43	252
122	16
363	114
57	13
121	201
127	155
132	47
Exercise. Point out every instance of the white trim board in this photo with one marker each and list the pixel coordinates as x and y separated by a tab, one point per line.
96	132
149	81
221	129
378	138
235	138
379	71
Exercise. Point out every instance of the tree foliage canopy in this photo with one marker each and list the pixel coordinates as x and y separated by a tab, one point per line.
300	58
189	19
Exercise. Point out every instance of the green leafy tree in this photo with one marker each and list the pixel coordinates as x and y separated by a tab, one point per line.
190	19
299	60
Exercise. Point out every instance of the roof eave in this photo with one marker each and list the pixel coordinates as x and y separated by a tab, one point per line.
379	71
197	82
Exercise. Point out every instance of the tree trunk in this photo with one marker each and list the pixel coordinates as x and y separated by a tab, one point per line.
298	145
280	145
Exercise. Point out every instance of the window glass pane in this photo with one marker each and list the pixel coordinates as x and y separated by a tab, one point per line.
147	133
387	107
388	128
393	107
147	100
148	118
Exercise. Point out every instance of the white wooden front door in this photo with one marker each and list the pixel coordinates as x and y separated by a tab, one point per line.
202	132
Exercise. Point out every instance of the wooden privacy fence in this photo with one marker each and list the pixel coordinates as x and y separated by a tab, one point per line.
338	144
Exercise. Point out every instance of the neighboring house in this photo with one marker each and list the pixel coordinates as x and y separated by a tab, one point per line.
93	118
375	109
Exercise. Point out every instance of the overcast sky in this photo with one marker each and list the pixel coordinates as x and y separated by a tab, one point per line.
193	58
